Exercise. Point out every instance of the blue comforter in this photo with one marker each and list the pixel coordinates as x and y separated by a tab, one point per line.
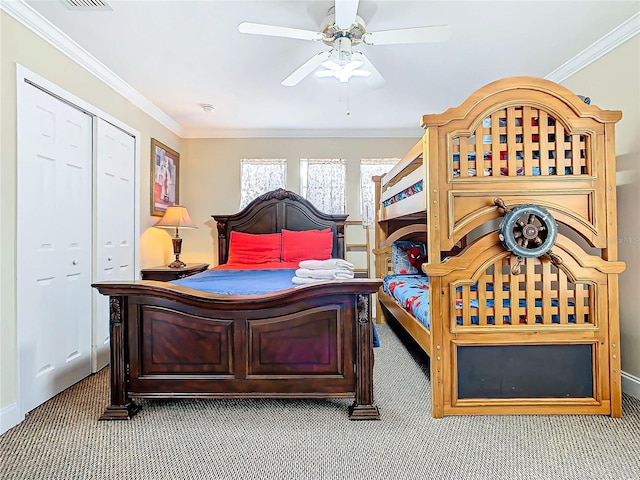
246	282
239	282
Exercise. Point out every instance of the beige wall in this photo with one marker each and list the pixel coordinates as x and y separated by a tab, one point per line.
613	82
20	46
210	176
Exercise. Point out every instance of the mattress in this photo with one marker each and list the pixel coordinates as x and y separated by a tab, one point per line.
411	292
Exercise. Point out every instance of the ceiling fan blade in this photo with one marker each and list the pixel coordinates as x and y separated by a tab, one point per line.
375	80
275	31
306	68
434	33
345	13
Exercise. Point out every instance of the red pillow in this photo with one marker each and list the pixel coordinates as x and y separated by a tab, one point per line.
306	245
254	248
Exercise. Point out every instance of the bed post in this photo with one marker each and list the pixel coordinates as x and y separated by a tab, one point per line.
222	237
121	407
363	407
610	253
379	236
340	238
440	348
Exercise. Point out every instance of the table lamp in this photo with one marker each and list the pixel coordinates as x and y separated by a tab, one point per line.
176	217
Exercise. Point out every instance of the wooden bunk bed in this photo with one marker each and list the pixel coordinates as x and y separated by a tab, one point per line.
514	194
307	341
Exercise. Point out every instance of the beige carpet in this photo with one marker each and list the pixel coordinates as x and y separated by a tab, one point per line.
300	439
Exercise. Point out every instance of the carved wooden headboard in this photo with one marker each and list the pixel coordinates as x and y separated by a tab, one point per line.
273	211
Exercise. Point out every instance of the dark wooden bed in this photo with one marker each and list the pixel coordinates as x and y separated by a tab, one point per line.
309	341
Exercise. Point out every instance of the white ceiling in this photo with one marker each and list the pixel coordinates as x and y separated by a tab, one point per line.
181	54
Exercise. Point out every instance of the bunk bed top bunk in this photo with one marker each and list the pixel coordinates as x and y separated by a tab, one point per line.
522	139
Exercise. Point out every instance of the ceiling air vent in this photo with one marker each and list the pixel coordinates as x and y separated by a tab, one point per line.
86	4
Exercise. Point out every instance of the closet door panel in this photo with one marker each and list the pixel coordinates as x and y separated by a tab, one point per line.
114	223
54	245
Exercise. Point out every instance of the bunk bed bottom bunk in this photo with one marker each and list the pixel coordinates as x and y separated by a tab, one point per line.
542	341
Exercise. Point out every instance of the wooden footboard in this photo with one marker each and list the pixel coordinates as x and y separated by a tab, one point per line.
312	341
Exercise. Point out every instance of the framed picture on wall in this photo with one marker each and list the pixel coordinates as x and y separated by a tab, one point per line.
165	168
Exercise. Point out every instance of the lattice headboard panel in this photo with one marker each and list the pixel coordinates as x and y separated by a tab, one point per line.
520	141
541	294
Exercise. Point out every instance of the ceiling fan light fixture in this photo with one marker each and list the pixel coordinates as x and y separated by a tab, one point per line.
341	52
343	73
330	64
352	65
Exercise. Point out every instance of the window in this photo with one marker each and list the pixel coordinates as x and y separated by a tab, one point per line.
259	176
322	182
368	168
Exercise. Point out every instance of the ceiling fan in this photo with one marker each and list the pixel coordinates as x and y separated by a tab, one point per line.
342	30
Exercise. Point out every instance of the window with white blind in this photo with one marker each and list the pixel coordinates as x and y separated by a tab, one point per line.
323	183
259	176
368	168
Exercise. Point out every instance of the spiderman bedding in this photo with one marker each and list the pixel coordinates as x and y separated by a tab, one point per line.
412	293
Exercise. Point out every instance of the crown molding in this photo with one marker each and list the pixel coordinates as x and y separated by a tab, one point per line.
51	34
601	47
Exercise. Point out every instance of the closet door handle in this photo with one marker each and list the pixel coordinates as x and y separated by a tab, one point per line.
75	262
109	259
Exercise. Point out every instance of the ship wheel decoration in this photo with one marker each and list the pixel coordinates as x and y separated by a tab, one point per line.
527	231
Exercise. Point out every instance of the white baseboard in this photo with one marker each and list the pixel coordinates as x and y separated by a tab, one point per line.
631	385
9	417
100	357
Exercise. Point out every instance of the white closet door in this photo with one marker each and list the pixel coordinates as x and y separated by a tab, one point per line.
53	246
114	224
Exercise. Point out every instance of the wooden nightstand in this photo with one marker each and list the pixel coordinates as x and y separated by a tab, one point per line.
166	274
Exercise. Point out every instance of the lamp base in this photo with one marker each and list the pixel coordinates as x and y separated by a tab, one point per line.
177	264
177	248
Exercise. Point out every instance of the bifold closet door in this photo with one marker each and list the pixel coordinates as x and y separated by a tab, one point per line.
53	245
114	222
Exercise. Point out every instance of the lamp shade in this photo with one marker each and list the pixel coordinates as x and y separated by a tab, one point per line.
176	216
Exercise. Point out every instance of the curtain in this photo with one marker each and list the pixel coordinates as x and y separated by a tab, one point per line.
325	183
258	176
368	168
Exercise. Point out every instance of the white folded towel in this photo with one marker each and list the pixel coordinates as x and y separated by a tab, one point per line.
305	281
335	274
330	264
